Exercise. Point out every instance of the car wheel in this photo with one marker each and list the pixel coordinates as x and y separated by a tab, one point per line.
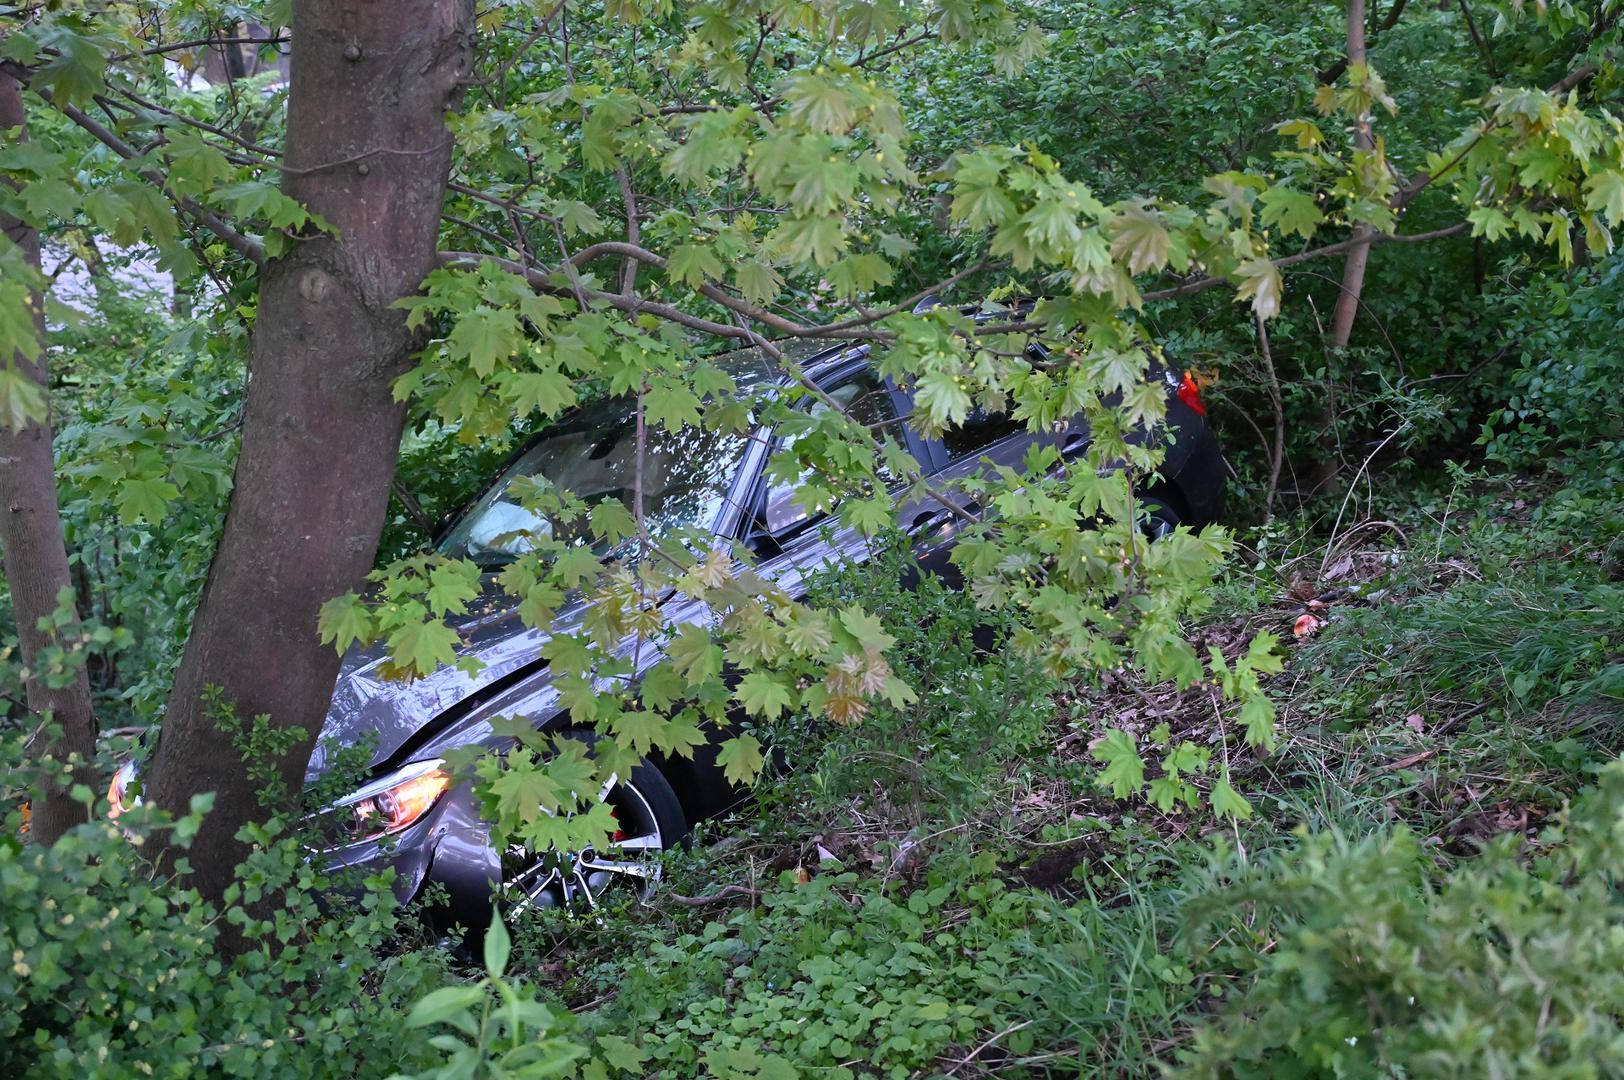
650	821
1159	513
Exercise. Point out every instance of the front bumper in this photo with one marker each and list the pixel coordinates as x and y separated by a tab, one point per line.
449	847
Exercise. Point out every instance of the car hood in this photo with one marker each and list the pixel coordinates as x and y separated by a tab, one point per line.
369	707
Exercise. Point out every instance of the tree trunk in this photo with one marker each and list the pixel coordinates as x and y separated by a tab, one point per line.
368	150
1353	271
36	559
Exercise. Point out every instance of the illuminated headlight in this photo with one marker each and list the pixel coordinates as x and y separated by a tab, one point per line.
391	803
119	796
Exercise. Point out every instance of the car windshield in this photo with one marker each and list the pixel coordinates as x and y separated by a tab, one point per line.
593	456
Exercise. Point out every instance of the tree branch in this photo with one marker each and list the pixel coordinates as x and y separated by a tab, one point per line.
244	245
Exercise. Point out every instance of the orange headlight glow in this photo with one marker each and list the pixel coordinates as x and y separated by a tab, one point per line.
396	807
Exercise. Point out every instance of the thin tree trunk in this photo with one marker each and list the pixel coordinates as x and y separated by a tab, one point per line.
1346	311
36	559
368	150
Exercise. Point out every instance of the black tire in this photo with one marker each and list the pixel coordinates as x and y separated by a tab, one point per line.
1159	513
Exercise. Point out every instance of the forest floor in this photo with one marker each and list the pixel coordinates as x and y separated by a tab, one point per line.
949	890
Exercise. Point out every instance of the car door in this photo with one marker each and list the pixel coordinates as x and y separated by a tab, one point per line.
792	544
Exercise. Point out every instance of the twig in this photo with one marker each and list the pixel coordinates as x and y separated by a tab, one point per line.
720	896
978	1051
1277	451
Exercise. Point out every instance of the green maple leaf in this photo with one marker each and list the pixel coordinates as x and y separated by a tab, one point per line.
1226	801
868	516
662	686
763	695
22	400
682	735
1124	771
1604	192
451	586
866	628
757	280
611	521
671	404
568	654
1137	235
695	657
423	647
639	730
1490	222
486	336
1260	282
576	217
944	401
576	566
1292	211
820	104
344	620
741	760
544	392
141	499
817	239
694	264
1257	717
859	274
622	1054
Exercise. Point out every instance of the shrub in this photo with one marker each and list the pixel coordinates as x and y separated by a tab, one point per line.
1356	959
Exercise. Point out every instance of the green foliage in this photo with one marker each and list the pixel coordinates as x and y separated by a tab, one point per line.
833	975
1508	966
112	968
1564	338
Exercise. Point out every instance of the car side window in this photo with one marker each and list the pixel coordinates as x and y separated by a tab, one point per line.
980	430
867	400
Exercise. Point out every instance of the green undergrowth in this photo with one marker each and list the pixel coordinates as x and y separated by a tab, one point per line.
945	889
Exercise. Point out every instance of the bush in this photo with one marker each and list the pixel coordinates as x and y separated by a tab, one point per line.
112	969
1559	410
1355	959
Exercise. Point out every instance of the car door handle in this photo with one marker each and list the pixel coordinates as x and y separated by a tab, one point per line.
1075	444
929	521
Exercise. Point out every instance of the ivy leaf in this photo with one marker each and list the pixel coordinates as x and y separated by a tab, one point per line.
741	760
1124	771
344	620
763	695
1226	801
